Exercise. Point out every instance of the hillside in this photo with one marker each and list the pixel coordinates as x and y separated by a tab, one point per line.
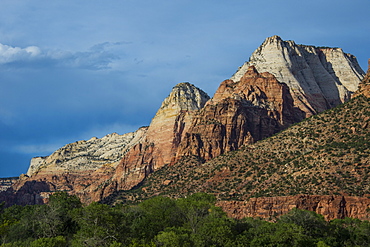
326	154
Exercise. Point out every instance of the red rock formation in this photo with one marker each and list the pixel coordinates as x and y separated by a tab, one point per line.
240	113
163	136
331	207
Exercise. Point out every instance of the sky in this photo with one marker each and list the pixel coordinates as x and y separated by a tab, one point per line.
71	70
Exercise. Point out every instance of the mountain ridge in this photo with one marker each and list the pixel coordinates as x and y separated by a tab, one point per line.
188	125
319	78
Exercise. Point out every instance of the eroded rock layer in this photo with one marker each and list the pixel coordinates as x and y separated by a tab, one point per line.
255	107
164	135
318	77
330	206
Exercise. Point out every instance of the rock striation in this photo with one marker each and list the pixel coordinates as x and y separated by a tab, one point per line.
77	167
6	183
255	107
164	135
319	78
330	206
86	155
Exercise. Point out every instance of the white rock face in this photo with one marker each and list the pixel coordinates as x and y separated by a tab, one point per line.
87	155
319	78
173	117
183	97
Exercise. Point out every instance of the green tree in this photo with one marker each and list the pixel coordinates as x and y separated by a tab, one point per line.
154	215
313	224
99	225
174	237
195	208
58	241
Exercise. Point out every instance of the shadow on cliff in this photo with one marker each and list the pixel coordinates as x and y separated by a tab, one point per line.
324	77
30	193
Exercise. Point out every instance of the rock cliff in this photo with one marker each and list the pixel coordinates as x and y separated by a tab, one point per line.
319	78
242	112
86	155
6	183
77	167
164	135
331	207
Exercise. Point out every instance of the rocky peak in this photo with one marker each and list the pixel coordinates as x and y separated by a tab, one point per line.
239	113
183	100
164	134
282	83
318	78
184	96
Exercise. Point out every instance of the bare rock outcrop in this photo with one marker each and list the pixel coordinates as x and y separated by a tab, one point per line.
164	135
77	167
318	77
330	206
86	155
6	183
255	107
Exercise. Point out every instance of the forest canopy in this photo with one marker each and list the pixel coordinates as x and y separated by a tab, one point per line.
162	221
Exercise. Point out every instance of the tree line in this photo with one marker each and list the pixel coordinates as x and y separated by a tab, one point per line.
162	221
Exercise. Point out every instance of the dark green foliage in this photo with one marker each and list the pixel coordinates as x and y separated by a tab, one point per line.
162	221
312	224
99	225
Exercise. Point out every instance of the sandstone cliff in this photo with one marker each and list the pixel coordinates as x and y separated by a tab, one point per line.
326	155
6	183
74	168
331	207
86	155
163	136
240	113
95	168
318	78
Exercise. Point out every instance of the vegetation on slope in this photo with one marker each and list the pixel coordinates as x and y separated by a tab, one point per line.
325	154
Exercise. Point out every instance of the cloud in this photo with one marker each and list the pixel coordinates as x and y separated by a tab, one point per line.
9	54
98	57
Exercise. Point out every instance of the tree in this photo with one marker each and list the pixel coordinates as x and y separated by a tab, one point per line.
99	225
195	208
154	215
174	236
313	224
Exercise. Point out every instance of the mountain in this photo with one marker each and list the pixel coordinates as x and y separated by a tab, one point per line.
320	164
253	105
319	77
